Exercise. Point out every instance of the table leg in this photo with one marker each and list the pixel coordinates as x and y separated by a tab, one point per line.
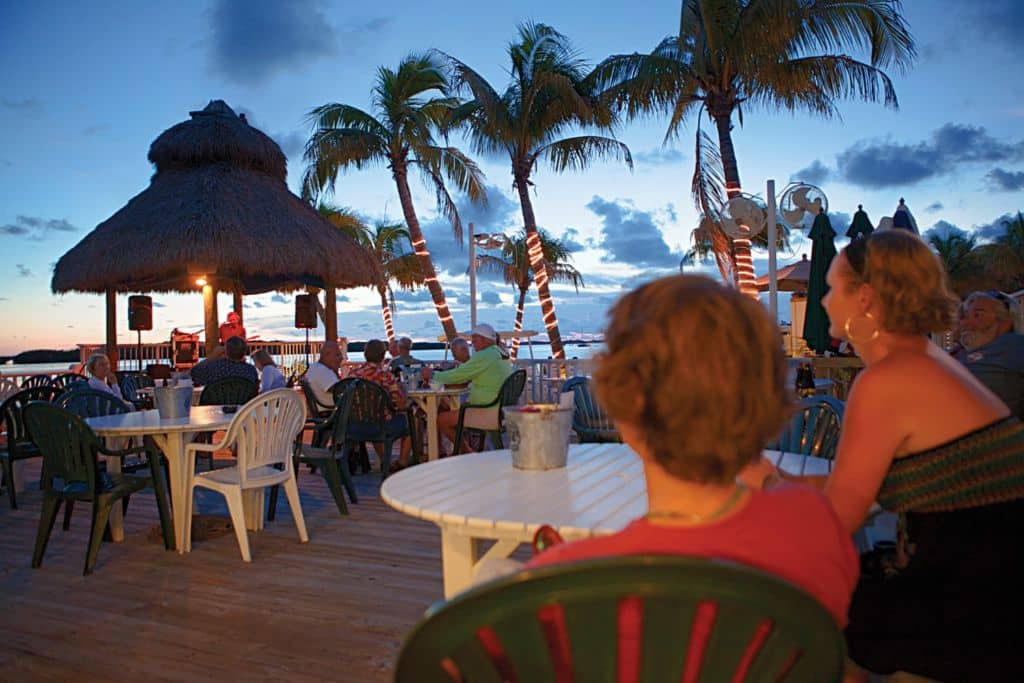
116	520
173	446
459	555
430	408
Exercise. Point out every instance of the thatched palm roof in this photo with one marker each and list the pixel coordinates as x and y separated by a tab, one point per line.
218	205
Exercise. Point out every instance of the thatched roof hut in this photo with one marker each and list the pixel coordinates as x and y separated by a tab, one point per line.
217	206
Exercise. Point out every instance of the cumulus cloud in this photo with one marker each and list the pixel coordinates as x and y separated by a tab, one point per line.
292	144
992	20
816	174
944	230
882	164
419	296
502	214
255	39
570	238
157	304
1000	180
659	156
631	236
36	228
934	207
23	271
490	297
994	229
341	298
256	304
280	299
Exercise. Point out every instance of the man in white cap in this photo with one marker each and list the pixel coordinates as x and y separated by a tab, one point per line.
486	370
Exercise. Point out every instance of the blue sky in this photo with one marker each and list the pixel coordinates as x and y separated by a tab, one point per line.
87	86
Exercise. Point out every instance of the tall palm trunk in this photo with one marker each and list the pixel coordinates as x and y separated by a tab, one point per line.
419	245
743	273
385	312
535	253
519	321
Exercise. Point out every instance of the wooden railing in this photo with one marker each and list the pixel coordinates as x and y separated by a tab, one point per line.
544	378
162	352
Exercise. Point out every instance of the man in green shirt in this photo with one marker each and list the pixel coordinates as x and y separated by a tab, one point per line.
486	370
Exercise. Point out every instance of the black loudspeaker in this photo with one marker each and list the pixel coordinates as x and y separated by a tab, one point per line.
305	312
140	312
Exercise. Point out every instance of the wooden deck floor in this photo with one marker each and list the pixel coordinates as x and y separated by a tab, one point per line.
337	608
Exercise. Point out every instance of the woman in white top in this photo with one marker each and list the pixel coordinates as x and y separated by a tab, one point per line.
101	377
270	376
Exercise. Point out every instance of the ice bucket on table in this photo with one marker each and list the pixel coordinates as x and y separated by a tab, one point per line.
173	402
539	435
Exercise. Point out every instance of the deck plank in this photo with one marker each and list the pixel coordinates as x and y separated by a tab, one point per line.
337	608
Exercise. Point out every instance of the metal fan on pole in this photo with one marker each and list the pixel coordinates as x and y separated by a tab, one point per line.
742	218
801	203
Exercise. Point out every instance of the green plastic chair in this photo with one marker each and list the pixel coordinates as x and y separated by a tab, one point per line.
634	618
232	391
814	428
36	381
508	395
589	421
62	382
19	443
70	452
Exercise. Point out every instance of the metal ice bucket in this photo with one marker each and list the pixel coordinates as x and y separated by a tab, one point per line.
539	435
173	403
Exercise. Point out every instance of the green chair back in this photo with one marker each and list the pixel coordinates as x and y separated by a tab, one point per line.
313	406
636	618
589	421
365	408
233	391
63	382
13	409
814	428
69	446
36	381
91	403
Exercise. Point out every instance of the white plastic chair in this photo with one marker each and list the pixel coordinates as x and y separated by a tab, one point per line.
263	435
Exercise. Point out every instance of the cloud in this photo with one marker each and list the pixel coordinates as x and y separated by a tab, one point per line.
36	228
502	214
659	156
95	129
1005	181
934	207
280	299
944	230
23	271
157	304
28	105
490	297
996	228
418	296
293	144
882	164
341	298
570	239
992	20
254	40
256	304
630	236
815	174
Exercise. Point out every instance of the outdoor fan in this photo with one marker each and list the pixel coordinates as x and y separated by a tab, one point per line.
800	200
743	216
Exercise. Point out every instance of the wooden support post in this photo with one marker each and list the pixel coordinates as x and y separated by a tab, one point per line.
330	314
112	328
238	305
210	316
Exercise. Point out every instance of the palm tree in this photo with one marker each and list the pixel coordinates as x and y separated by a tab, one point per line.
514	267
386	241
549	94
1004	257
957	253
775	54
409	103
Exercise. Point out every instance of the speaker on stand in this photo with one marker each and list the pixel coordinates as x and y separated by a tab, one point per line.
305	317
140	317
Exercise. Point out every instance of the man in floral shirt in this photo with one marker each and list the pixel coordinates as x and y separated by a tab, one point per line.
377	371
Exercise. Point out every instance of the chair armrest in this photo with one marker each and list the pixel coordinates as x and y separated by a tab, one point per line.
206	447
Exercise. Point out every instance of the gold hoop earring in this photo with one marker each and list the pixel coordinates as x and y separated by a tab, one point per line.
852	338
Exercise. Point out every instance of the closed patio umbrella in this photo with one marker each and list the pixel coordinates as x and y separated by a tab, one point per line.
816	322
861	224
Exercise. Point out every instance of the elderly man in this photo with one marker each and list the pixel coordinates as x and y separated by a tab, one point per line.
485	371
992	351
460	350
403	347
231	365
323	374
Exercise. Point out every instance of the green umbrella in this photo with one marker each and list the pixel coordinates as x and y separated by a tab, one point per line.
861	225
816	321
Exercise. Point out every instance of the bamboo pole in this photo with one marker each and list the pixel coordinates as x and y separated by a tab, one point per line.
112	328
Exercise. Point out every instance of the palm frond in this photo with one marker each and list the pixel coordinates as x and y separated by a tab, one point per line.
578	153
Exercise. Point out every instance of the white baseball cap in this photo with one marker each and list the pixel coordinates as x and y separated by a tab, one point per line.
484	330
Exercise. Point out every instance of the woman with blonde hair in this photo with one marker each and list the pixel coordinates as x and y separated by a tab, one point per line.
925	439
695	379
101	377
270	376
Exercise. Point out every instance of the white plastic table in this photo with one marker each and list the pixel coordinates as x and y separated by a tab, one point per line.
429	400
170	436
480	497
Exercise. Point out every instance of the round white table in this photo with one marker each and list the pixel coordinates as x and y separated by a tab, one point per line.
429	400
170	436
480	497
